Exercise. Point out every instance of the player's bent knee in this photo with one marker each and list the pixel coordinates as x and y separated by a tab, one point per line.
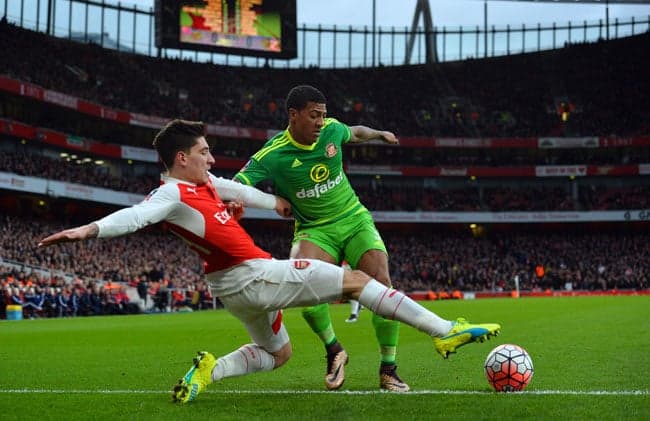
282	355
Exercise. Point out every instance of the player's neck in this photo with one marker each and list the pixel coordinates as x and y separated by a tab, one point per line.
180	176
297	139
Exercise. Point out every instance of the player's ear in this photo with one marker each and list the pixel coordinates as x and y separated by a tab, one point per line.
181	157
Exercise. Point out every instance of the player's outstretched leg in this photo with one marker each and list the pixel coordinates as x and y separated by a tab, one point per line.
463	332
447	335
196	380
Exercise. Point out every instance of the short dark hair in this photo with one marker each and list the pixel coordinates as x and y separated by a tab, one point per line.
300	95
177	135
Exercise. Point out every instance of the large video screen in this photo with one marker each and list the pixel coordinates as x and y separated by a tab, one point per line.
263	28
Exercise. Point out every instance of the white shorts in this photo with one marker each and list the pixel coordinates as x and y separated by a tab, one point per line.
271	285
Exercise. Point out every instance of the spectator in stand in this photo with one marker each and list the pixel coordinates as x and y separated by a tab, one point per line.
34	299
124	303
63	302
49	302
111	305
75	301
17	298
179	299
143	289
203	297
161	298
3	303
84	300
96	301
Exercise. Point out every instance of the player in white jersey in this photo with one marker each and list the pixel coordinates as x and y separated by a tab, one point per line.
250	283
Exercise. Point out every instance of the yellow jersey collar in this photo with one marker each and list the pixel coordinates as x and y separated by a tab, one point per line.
300	145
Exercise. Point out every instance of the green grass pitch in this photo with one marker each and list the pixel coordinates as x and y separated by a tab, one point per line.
591	357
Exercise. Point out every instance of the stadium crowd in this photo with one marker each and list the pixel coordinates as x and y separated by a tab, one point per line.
36	165
403	193
517	95
585	261
421	260
90	280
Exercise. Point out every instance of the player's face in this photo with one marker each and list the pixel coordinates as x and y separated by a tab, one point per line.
305	124
198	162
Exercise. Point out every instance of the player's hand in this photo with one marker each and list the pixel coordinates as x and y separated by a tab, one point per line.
236	210
69	235
283	207
389	137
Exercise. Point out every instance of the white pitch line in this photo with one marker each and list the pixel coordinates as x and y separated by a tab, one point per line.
340	392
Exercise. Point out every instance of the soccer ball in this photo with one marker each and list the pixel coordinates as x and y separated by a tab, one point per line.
508	368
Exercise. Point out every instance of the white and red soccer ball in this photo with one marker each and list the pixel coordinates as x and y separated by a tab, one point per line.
508	368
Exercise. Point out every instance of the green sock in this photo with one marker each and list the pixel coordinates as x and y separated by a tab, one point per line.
318	318
387	332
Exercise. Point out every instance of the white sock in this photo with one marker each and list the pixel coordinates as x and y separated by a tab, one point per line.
355	306
250	358
394	305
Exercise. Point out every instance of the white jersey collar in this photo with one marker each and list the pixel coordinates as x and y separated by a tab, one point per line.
166	179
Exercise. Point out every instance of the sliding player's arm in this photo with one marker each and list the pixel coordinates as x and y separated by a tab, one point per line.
157	206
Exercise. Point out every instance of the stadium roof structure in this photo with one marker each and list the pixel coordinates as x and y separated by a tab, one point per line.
422	8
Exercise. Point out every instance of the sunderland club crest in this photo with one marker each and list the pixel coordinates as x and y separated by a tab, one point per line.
330	150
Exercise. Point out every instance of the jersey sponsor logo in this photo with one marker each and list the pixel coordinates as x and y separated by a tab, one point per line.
296	163
300	264
330	150
319	173
320	189
192	190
